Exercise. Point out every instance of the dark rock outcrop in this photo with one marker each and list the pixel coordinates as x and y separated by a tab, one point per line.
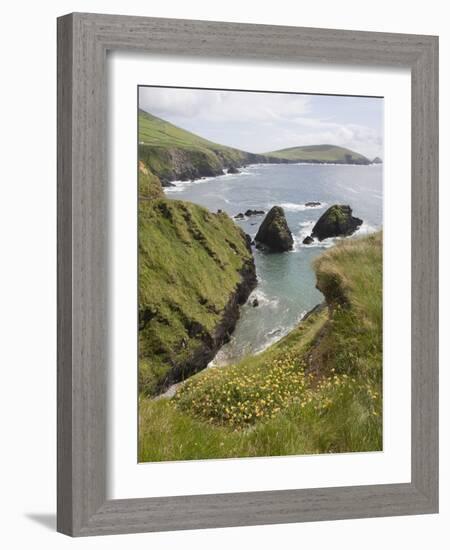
233	170
274	233
337	221
166	183
312	203
248	213
251	212
308	240
377	160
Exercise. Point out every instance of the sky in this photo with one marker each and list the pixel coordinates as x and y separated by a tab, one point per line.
259	122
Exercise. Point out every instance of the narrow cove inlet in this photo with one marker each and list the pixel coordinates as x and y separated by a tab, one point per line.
286	288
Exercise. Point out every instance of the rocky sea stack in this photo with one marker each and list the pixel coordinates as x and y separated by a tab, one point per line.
337	221
274	233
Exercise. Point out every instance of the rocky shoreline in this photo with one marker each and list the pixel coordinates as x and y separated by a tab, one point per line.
181	165
173	164
195	173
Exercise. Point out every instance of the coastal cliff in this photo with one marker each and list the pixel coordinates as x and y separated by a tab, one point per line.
195	270
172	153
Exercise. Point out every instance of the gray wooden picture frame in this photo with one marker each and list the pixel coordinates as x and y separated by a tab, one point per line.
83	41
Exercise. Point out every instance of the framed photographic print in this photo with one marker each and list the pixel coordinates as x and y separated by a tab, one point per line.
247	269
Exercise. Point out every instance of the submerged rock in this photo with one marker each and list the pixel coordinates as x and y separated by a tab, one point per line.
274	233
248	213
337	221
255	302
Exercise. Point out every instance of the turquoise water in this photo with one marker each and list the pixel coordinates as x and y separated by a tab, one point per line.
286	281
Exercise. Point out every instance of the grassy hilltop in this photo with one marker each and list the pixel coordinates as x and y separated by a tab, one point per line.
160	133
176	154
317	390
320	153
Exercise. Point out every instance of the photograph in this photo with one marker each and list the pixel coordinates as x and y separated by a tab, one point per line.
260	273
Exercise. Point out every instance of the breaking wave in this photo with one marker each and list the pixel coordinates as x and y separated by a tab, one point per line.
263	299
295	207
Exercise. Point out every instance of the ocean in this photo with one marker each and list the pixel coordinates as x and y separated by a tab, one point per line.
286	281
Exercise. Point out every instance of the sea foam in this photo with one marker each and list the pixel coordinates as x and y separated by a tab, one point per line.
295	207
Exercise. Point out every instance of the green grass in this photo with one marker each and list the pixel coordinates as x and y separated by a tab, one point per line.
169	150
256	388
149	185
189	266
351	276
318	390
319	153
160	133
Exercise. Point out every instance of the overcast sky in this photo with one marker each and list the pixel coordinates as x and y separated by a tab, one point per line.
260	122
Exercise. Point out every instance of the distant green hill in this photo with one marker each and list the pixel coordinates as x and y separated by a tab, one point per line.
320	153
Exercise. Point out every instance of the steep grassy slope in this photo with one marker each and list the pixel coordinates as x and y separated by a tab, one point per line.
149	184
176	154
195	268
320	153
158	132
317	390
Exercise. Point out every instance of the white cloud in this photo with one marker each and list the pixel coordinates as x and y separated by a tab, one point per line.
261	122
214	105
